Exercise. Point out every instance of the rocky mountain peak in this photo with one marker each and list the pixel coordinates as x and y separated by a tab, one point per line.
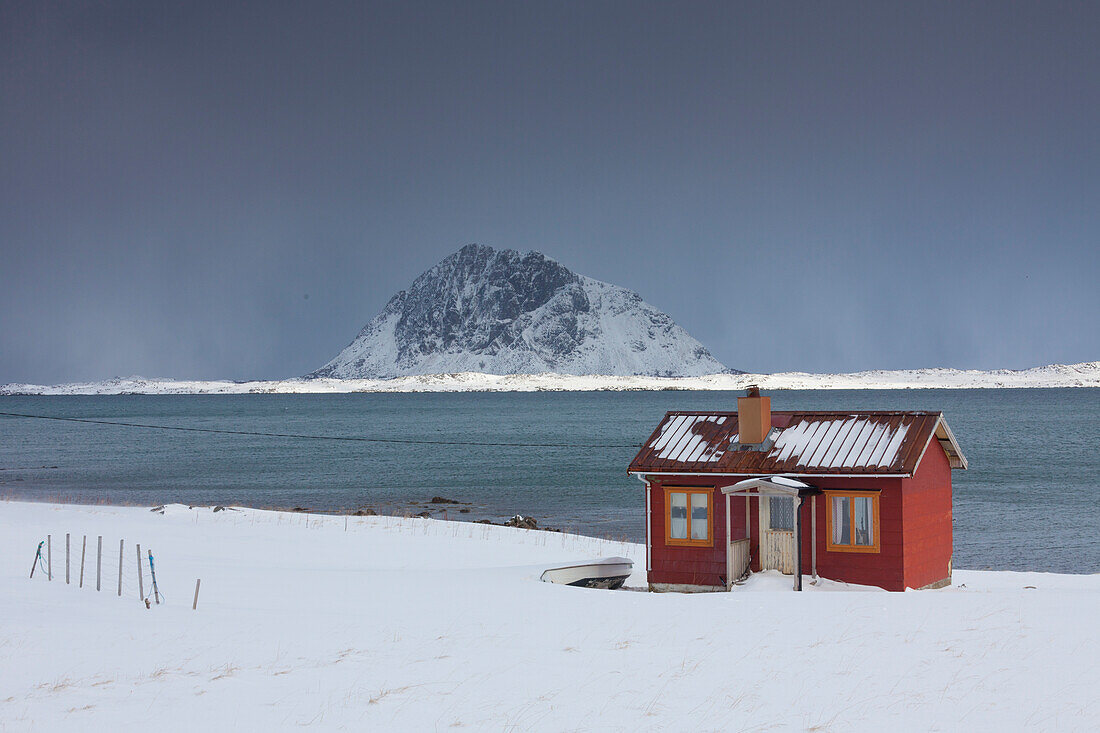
505	312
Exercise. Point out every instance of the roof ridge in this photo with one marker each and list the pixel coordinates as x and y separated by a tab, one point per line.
812	412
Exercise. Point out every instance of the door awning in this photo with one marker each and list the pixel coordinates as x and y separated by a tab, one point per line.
771	486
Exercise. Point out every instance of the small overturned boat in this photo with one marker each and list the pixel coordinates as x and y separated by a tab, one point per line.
608	573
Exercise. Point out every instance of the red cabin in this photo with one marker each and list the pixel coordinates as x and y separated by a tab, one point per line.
859	497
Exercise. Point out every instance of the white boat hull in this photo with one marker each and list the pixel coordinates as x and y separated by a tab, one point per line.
608	573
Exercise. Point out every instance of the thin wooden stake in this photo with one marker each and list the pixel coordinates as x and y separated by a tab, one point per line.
195	603
66	558
141	586
153	578
99	564
83	552
49	557
120	568
37	554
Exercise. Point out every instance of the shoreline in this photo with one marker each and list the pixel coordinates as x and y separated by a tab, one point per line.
442	512
1053	376
336	513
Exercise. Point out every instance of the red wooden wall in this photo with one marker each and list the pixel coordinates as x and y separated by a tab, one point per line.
914	529
689	565
883	568
926	510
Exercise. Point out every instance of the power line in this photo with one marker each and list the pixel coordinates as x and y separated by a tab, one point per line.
300	436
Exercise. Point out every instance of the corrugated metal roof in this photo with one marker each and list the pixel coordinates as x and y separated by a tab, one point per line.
804	442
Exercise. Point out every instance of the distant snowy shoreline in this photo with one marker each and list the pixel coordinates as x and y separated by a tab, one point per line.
1086	374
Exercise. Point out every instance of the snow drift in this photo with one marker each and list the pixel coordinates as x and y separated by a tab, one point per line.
419	624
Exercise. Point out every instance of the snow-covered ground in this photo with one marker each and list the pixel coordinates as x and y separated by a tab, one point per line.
411	624
1055	375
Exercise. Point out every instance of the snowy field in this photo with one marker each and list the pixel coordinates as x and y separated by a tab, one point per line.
388	623
1054	375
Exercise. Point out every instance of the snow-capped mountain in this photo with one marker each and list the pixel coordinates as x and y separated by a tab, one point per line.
503	312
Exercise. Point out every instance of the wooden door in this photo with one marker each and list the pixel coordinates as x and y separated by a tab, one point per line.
777	534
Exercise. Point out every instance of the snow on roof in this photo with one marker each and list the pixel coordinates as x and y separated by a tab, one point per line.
805	442
840	443
683	439
771	485
786	481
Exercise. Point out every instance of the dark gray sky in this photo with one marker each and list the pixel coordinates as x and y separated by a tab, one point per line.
814	186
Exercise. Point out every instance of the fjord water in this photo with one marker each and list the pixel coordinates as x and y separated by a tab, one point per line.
1030	500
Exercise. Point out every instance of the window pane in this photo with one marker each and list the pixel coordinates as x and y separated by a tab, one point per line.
699	524
678	517
864	521
842	531
780	513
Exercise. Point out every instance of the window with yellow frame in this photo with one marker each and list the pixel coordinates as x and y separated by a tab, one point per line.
688	516
853	521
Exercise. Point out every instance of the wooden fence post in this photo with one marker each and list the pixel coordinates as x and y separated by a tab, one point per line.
195	603
37	554
153	577
83	551
49	557
99	564
66	558
141	587
120	568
